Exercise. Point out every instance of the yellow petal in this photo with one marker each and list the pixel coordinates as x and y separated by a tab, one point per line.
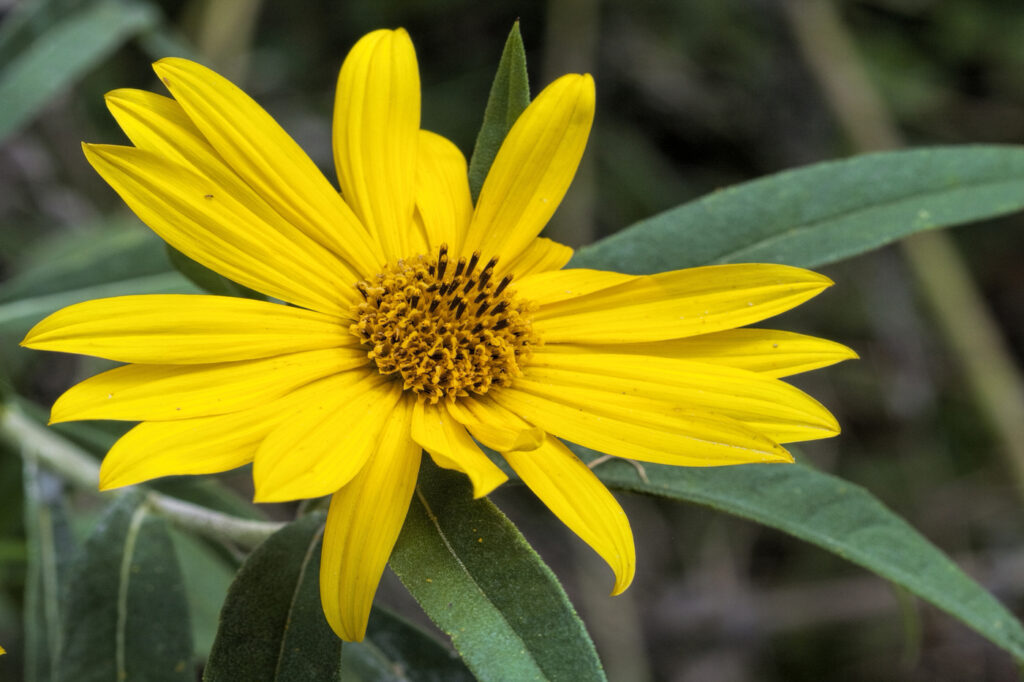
192	214
158	124
781	412
533	170
575	495
452	447
182	329
769	352
376	128
321	445
541	255
362	525
675	304
197	446
252	143
619	425
545	288
170	392
442	191
494	426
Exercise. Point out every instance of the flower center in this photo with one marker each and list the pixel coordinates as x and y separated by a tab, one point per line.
446	330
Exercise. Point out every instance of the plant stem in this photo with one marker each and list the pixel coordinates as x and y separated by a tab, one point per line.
79	468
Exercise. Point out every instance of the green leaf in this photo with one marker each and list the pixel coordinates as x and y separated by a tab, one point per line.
206	279
510	95
63	54
485	587
396	650
207	574
126	617
272	626
822	213
838	516
50	545
116	258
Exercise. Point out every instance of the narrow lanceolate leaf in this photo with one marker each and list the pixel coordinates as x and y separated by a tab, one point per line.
49	548
835	515
482	584
126	617
117	257
510	95
822	213
272	626
395	650
63	54
207	576
206	279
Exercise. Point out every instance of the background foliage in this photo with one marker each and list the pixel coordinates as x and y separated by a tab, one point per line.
692	97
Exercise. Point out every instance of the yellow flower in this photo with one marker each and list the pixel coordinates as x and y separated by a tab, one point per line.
414	320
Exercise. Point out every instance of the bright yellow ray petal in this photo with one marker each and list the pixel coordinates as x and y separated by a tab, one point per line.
182	329
612	423
192	214
493	425
362	525
170	392
321	445
191	446
553	286
769	352
198	446
676	304
158	124
541	255
575	495
252	143
376	130
533	169
783	413
452	447
442	191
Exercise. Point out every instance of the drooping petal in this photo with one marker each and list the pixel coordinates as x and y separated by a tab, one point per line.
192	214
321	445
768	352
532	170
183	329
621	426
442	191
158	124
376	130
541	255
170	392
252	143
197	446
494	426
553	286
783	413
362	525
452	447
575	495
676	304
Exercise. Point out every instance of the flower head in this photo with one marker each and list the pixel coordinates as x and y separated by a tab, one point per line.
412	320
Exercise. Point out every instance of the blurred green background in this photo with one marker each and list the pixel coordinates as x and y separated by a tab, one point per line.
691	97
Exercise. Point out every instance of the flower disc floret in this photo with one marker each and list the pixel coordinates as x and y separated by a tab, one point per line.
446	330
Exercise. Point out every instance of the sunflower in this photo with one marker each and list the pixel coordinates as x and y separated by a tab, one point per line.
406	318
